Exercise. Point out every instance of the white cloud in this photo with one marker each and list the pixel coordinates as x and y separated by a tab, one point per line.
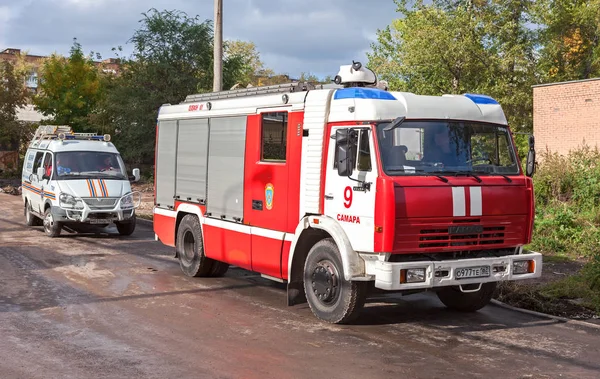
292	36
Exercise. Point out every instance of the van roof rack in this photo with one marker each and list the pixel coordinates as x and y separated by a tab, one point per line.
64	132
254	91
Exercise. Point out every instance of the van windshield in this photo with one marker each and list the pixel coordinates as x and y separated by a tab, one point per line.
89	164
436	146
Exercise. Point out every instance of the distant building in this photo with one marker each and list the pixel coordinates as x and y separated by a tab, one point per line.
110	65
566	115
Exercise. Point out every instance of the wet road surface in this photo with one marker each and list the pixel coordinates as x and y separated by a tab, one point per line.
106	306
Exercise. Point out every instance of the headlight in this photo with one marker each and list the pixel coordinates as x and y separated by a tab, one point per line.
69	201
523	267
412	275
127	201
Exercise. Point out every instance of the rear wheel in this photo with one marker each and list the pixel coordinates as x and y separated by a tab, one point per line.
330	296
51	227
30	218
126	228
454	298
190	248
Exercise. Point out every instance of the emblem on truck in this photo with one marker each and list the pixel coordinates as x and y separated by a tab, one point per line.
269	195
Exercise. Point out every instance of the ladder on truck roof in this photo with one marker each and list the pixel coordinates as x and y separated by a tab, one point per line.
257	91
64	132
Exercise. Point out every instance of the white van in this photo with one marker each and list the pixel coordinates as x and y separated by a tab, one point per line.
70	178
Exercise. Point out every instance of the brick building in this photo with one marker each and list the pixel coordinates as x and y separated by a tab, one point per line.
566	115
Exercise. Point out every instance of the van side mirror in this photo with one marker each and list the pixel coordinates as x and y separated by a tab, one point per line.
345	141
40	173
530	165
136	175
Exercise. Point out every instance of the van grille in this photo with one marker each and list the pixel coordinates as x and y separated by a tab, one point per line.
101	203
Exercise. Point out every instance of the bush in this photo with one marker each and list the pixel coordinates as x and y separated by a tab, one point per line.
567	191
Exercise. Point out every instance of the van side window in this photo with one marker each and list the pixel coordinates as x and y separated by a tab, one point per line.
48	166
37	162
273	136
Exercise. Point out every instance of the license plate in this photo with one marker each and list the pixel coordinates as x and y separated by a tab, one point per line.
472	272
97	221
465	229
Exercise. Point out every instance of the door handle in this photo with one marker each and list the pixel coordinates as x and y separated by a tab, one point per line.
328	197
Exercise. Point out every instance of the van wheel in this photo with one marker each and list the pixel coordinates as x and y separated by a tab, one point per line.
30	219
453	298
51	227
126	228
331	297
190	248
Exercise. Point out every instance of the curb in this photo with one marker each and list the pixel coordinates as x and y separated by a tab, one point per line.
545	315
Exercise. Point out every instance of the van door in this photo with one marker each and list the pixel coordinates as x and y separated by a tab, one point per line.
47	190
34	187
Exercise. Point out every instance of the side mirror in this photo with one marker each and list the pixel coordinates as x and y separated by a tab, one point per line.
136	175
345	141
40	173
530	166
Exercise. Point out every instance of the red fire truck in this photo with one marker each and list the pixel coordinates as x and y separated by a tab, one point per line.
336	189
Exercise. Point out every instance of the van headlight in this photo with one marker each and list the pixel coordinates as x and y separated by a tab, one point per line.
69	201
127	201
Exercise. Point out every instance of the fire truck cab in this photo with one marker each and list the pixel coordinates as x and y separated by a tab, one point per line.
334	189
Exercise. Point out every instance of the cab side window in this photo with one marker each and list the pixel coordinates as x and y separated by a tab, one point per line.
363	163
274	136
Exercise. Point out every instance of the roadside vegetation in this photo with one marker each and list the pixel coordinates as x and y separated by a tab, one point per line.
567	232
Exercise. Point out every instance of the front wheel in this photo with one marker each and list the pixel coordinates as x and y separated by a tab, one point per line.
51	228
454	298
126	228
330	296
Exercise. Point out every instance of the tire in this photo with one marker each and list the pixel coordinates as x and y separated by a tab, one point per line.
453	298
331	298
190	248
126	228
30	218
51	228
218	269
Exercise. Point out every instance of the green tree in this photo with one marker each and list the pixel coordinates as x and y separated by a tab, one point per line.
172	58
570	31
69	89
13	94
479	46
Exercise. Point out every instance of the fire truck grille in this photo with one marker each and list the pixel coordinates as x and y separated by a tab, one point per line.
101	203
489	235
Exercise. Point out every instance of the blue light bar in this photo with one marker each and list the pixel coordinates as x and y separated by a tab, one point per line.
481	99
363	93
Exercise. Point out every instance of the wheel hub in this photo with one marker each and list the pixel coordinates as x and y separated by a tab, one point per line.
48	221
325	282
189	246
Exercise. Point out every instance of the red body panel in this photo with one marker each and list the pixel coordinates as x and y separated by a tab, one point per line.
285	255
266	255
227	246
164	227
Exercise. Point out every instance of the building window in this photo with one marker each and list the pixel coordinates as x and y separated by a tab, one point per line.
273	136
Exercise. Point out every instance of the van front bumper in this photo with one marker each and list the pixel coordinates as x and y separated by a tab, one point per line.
85	213
394	275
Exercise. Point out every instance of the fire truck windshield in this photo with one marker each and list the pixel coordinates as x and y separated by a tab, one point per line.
419	147
89	165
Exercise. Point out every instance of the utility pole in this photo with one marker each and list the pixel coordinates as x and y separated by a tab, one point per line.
218	54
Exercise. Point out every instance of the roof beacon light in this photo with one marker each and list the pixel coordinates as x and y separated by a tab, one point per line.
107	138
62	136
355	75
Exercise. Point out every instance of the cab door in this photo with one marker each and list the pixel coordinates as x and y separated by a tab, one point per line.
351	199
35	186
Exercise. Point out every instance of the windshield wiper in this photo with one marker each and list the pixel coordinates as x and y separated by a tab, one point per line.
457	173
494	173
443	179
394	124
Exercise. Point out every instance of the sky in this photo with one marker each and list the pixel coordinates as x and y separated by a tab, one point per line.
292	36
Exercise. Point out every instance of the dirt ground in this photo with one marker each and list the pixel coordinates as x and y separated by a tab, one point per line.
102	305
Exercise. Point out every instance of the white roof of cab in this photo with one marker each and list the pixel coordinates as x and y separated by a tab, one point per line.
356	104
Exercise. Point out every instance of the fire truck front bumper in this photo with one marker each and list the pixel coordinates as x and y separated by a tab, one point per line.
432	274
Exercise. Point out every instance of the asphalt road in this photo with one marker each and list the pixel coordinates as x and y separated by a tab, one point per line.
106	306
